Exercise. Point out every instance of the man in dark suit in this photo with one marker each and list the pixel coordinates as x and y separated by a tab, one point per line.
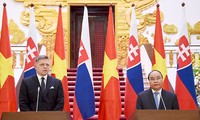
156	97
47	90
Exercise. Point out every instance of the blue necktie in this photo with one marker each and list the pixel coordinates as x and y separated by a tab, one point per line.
156	99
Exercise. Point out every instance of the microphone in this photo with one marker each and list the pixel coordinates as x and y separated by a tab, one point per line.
38	94
162	101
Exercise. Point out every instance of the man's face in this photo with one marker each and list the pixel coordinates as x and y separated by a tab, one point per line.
155	80
42	67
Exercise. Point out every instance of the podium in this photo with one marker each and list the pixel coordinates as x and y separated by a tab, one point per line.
46	115
165	115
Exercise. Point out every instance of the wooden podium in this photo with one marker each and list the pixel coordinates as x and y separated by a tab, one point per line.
165	115
50	115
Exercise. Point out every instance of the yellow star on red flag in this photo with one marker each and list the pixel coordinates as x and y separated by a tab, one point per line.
109	69
58	64
5	69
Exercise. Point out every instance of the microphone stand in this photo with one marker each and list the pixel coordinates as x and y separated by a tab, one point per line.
37	99
163	101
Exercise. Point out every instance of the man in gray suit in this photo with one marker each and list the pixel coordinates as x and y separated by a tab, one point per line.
41	92
156	97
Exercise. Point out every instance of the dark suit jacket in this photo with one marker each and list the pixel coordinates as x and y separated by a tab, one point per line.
146	100
51	100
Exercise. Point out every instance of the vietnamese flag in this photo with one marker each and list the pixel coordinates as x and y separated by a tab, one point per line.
110	98
59	66
158	58
7	84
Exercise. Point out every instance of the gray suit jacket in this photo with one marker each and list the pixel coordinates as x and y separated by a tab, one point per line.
146	100
51	100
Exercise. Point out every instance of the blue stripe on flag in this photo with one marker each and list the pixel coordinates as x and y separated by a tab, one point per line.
84	92
29	73
135	78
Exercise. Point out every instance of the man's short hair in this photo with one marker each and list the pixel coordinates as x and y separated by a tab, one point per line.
153	71
40	57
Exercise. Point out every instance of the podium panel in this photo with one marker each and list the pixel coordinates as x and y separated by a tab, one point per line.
47	115
165	115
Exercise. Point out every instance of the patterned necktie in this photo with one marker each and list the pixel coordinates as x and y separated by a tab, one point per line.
42	85
156	99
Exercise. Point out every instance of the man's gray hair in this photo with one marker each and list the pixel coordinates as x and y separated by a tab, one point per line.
40	57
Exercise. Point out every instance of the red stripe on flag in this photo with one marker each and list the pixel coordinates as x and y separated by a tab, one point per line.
130	100
184	97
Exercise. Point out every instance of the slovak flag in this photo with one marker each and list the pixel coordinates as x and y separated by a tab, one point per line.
134	79
185	88
84	102
31	48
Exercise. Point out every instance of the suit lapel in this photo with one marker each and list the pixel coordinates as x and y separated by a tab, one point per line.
163	93
49	84
35	83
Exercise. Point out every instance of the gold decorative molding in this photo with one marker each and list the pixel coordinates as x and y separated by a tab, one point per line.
122	50
14	59
18	36
46	22
21	59
198	37
43	2
142	39
171	62
193	58
170	29
144	20
198	63
196	28
123	25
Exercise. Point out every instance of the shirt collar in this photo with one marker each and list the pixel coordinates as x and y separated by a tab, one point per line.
156	91
39	77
